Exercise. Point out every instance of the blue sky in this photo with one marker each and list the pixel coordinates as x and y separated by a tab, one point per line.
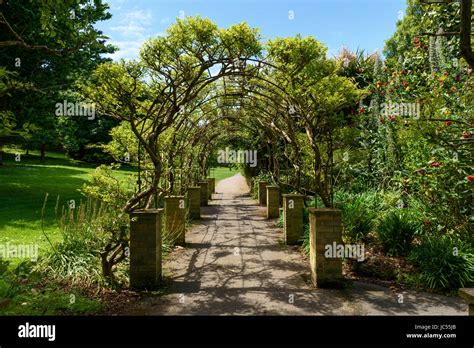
364	24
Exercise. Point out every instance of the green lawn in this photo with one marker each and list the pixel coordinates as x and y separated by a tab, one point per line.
25	183
23	186
222	173
22	192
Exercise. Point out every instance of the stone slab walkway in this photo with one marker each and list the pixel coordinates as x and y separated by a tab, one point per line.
235	264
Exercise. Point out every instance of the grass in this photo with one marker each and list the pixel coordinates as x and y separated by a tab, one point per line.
27	293
22	192
25	183
23	186
221	173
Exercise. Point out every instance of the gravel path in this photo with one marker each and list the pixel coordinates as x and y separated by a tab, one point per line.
234	264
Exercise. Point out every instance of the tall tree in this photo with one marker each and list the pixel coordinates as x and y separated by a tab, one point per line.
48	45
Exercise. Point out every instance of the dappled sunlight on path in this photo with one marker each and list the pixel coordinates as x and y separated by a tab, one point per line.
234	263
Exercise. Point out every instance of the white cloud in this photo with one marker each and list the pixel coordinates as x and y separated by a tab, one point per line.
143	16
133	24
127	49
130	30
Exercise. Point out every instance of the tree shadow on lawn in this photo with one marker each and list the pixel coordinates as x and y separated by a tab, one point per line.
23	191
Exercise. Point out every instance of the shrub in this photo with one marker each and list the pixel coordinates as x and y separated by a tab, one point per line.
357	219
88	231
260	177
396	231
305	238
444	261
6	289
72	261
280	221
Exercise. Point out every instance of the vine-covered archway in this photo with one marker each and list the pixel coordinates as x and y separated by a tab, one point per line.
184	81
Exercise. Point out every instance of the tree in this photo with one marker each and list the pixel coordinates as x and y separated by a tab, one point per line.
322	95
153	94
48	46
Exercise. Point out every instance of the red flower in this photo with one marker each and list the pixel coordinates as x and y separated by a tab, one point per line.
404	83
435	164
466	135
448	123
471	178
392	118
361	110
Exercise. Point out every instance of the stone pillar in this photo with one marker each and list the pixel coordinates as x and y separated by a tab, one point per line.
273	201
212	185
468	295
145	248
175	218
204	192
262	192
210	188
292	218
194	202
325	230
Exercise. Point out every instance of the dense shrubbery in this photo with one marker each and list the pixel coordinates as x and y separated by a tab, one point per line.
29	292
256	179
358	215
87	231
396	231
443	261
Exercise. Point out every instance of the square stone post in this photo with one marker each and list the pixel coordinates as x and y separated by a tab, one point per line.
212	186
262	192
194	202
468	295
145	248
210	189
273	201
204	192
325	230
175	218
292	218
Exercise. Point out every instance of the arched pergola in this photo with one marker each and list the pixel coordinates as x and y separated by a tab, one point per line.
183	80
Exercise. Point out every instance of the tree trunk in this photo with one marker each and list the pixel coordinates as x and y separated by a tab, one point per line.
42	152
106	266
321	188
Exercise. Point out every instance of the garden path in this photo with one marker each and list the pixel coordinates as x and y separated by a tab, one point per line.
235	264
